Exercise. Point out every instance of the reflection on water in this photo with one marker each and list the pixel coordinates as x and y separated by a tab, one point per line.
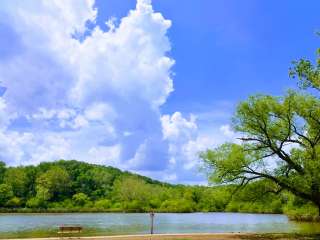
136	223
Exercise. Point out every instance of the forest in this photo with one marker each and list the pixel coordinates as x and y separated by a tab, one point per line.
73	186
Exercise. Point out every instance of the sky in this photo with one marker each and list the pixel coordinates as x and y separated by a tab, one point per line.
141	85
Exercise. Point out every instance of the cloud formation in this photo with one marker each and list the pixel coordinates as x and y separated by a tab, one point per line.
74	92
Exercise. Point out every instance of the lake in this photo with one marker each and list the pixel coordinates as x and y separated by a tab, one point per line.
138	223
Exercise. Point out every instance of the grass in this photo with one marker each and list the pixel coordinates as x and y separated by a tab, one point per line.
46	233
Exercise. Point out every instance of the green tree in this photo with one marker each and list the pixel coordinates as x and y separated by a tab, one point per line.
2	171
95	182
53	184
5	194
177	205
102	204
35	203
215	199
102	181
18	180
307	73
80	199
133	192
43	194
280	141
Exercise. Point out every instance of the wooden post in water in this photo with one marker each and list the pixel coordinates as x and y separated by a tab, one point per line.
152	221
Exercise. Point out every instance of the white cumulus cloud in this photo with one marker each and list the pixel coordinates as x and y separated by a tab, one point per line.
82	93
91	94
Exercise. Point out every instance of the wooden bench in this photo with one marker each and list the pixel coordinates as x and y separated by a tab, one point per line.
70	229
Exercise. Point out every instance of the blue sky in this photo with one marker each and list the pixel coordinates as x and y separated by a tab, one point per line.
149	91
227	50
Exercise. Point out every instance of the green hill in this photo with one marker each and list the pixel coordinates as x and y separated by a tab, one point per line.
73	186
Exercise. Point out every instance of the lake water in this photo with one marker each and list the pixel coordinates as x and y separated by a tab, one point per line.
138	223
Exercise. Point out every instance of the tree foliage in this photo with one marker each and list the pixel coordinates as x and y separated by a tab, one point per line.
17	179
5	193
53	184
65	186
280	141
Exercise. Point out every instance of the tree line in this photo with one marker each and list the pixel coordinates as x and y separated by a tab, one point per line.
73	186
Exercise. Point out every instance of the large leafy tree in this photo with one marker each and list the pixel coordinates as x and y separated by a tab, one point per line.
53	184
280	140
18	180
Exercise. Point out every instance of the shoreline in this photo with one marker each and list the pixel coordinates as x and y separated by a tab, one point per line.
122	212
190	236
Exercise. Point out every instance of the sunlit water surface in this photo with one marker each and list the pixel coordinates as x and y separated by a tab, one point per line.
138	223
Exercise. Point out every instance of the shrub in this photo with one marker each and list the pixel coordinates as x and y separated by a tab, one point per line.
80	199
103	204
14	202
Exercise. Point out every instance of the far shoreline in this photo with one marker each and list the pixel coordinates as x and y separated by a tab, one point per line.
42	211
